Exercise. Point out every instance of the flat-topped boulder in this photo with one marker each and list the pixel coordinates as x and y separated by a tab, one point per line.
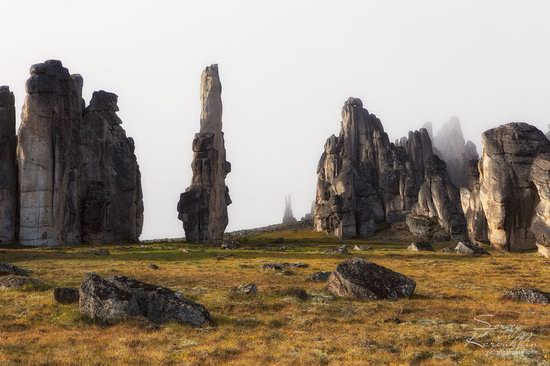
364	280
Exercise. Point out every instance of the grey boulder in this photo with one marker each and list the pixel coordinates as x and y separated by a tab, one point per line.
363	280
470	249
66	295
420	246
10	269
529	295
111	300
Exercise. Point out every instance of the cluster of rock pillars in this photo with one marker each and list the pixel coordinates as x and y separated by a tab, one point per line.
71	176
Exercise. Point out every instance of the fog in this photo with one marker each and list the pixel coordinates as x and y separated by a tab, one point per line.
286	68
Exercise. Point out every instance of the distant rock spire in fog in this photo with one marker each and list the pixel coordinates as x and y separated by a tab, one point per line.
455	151
288	217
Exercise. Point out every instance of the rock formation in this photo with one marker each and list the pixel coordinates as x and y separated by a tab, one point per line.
78	176
110	180
288	217
456	152
364	181
548	133
203	206
9	215
438	198
540	175
514	186
472	207
49	157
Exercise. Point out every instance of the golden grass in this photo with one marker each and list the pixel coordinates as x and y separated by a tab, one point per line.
275	327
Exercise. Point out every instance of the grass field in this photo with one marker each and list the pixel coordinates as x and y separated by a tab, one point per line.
276	327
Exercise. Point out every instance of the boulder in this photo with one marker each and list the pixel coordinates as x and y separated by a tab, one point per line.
9	216
544	250
421	225
282	266
508	187
439	199
360	279
10	269
203	206
420	246
470	249
18	282
245	289
111	300
48	157
364	181
110	180
66	295
529	295
319	276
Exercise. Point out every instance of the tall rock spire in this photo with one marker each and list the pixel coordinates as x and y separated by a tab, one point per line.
48	157
288	217
203	206
8	168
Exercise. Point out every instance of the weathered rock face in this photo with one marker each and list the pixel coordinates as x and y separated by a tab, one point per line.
364	181
203	206
48	157
540	175
288	217
111	300
548	133
472	207
110	180
439	198
360	279
78	176
456	152
9	215
508	193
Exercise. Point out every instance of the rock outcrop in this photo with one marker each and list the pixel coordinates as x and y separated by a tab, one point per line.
363	280
455	151
472	207
540	176
203	206
288	217
78	176
513	188
9	215
110	180
548	133
48	156
364	181
439	199
111	300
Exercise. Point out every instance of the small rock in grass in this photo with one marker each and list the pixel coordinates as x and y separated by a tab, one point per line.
66	295
10	269
321	276
420	246
245	289
18	282
470	249
529	295
153	266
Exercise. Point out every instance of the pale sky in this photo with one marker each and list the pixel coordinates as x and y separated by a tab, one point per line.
286	68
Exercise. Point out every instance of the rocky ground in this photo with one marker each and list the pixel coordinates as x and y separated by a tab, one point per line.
457	315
